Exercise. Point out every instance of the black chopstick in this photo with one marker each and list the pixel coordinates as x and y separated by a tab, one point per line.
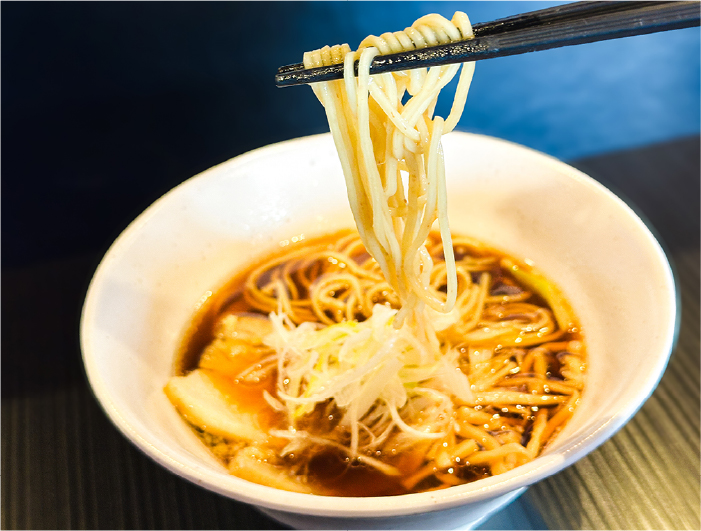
566	25
561	13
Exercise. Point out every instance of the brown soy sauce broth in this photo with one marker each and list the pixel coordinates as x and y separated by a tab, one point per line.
330	471
228	299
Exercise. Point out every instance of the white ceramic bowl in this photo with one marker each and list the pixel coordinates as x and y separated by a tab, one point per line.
532	206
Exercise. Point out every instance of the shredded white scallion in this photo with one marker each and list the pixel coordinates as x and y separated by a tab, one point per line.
377	376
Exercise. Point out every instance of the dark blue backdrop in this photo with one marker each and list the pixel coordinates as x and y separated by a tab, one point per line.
105	106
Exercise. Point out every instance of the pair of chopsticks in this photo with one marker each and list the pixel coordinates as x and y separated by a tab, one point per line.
565	25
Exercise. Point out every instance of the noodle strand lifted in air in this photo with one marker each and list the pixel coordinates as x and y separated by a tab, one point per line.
379	136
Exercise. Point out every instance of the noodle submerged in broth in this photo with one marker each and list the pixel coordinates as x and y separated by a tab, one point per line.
318	392
395	359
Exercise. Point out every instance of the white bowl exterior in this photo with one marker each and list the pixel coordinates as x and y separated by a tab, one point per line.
460	517
194	238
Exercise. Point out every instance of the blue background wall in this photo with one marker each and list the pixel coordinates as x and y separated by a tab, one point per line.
106	106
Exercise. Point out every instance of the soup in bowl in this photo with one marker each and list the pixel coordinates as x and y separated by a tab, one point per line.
192	241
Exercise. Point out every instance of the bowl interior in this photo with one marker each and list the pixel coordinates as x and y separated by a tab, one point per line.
195	237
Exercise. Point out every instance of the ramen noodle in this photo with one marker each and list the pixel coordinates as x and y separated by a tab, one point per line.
397	358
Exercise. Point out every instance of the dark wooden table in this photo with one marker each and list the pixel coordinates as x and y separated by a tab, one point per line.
65	466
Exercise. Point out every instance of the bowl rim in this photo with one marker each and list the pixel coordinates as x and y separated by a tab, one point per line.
406	504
